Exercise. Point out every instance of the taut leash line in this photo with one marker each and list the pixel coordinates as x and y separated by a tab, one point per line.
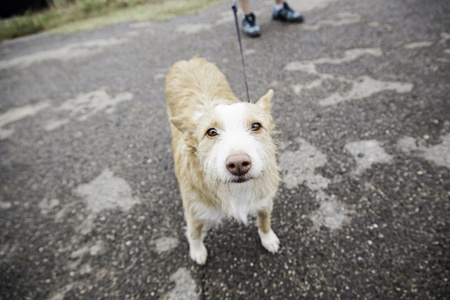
234	7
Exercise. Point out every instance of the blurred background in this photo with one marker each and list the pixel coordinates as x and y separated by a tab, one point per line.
24	17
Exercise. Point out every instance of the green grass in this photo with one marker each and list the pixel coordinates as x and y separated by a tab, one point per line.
65	16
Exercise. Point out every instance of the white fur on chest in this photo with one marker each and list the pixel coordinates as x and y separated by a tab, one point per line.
239	200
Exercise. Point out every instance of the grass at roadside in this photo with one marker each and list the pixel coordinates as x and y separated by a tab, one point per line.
66	16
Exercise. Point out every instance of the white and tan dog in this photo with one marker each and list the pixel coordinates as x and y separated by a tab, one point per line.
223	151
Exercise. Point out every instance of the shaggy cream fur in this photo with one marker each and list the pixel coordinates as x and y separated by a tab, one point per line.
210	128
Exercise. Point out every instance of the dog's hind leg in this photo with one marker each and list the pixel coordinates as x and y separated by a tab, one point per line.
269	239
196	231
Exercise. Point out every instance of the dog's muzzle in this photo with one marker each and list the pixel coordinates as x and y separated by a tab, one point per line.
239	165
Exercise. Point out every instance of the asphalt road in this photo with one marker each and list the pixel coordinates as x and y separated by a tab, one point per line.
89	204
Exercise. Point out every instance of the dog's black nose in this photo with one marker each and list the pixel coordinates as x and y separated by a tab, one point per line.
239	164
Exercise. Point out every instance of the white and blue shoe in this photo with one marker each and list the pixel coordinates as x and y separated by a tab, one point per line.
249	26
287	14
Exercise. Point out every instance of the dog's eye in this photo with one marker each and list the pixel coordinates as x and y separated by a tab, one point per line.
212	132
256	127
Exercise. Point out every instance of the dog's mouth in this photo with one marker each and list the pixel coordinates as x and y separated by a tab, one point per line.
240	179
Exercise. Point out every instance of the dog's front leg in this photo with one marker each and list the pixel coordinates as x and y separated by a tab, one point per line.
195	233
269	239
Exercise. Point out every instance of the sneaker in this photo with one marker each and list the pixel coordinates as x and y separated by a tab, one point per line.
249	25
287	14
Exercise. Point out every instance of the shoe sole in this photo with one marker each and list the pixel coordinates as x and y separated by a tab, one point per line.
252	35
288	21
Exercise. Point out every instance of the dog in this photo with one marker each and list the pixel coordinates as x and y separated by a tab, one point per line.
224	154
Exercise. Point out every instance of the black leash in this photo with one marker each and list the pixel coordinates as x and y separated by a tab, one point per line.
234	7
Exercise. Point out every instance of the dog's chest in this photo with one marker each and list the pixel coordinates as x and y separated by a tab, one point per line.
240	209
237	205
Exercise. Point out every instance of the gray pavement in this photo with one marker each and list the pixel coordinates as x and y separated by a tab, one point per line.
89	204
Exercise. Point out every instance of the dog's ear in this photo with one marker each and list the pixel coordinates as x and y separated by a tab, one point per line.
264	102
186	126
183	123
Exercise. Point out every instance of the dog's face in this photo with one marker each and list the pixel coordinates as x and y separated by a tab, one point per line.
232	143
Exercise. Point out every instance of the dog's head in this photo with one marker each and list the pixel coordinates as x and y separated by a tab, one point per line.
231	143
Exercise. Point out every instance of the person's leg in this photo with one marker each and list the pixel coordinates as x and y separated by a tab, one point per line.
279	4
245	6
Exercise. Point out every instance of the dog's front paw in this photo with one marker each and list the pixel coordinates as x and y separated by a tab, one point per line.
198	253
270	241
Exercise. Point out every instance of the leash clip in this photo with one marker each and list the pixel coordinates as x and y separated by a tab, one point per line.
234	6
